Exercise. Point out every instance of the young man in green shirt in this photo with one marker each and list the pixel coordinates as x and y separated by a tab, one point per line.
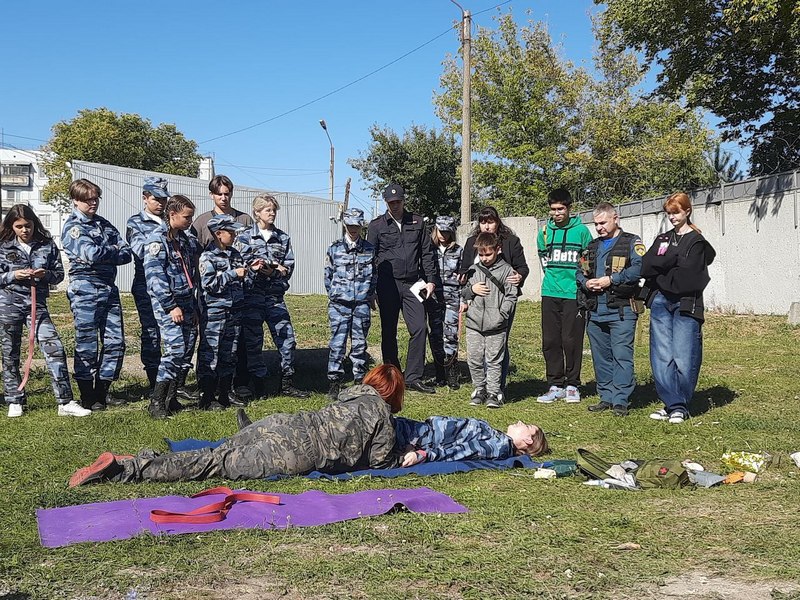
560	244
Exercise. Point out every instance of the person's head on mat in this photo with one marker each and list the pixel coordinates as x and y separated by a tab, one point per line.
528	439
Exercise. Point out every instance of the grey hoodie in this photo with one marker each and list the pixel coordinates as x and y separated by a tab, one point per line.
489	314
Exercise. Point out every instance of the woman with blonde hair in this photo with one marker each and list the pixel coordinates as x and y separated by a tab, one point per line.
676	270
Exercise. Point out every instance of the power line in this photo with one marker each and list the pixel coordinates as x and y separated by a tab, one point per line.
24	137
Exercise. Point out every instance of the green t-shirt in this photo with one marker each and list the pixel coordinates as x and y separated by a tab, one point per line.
560	251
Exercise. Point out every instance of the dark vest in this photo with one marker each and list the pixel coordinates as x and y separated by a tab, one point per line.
617	296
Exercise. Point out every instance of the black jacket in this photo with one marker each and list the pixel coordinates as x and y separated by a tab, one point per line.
407	256
512	253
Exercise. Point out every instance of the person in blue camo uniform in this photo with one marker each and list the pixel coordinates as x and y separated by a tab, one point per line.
170	269
350	278
137	230
264	301
223	277
94	249
443	307
29	259
463	438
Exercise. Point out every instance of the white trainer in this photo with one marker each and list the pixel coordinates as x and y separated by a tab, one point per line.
14	410
677	417
659	415
573	396
73	409
553	394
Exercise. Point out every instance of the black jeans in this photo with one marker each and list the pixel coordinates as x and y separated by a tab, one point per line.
562	340
394	295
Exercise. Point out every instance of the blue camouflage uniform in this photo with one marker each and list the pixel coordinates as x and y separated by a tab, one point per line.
264	301
443	307
453	438
15	311
137	230
95	249
221	300
171	273
350	278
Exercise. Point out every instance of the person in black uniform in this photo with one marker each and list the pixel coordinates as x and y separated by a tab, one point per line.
403	255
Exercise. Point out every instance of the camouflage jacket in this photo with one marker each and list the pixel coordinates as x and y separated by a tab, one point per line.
350	273
448	263
221	288
137	230
277	249
170	267
94	248
15	295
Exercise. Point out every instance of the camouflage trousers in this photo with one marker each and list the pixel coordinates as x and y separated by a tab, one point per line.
219	339
442	312
178	340
150	337
348	321
99	333
51	347
272	446
273	311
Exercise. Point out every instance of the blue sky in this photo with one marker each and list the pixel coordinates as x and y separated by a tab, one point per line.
213	68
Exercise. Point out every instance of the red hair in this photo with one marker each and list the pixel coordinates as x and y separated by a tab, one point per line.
680	201
388	381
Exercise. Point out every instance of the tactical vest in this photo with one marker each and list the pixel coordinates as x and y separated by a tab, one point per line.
617	296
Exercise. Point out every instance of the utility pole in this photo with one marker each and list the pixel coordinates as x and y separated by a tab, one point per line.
466	129
325	127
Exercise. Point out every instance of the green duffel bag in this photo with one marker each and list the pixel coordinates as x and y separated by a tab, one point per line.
660	473
592	465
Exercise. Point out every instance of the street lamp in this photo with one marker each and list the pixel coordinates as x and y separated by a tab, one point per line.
325	127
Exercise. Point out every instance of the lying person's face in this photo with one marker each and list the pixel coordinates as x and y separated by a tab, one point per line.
523	436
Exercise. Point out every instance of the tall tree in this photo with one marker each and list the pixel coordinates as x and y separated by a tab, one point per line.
739	59
126	140
539	122
424	161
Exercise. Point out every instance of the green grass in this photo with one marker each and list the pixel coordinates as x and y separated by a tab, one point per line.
521	538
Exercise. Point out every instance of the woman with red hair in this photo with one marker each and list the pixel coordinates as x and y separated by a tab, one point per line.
676	270
354	433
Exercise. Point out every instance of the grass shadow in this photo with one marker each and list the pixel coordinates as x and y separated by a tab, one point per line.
710	398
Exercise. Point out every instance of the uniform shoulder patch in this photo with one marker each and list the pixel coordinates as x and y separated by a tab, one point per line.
204	266
639	248
154	248
75	232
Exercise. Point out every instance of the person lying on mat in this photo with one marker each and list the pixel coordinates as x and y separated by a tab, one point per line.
352	434
462	438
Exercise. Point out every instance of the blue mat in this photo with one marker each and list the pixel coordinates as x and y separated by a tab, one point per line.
562	467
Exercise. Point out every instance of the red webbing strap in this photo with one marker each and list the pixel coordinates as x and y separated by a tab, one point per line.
214	512
176	246
31	338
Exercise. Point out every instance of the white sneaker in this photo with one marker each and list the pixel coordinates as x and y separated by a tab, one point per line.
73	409
659	415
553	394
677	417
14	410
573	396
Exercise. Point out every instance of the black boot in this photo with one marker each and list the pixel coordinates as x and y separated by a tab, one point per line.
101	394
258	386
441	374
86	389
334	389
183	392
288	389
158	400
242	420
171	402
208	389
224	386
452	375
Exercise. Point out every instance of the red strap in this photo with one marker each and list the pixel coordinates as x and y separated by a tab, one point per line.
214	512
31	338
176	246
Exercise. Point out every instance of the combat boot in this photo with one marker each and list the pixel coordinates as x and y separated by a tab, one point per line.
100	394
441	374
208	387
224	385
288	389
452	375
171	401
158	400
86	389
242	420
183	392
334	389
258	387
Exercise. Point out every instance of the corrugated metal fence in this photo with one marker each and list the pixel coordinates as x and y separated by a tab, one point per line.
305	218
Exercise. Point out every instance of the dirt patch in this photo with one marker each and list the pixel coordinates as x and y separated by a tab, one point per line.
712	587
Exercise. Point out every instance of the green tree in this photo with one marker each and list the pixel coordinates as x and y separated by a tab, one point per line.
539	122
425	162
739	59
125	140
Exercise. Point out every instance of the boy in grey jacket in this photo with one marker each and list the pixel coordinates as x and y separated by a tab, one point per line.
488	299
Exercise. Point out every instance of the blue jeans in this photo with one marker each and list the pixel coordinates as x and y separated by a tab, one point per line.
676	352
612	355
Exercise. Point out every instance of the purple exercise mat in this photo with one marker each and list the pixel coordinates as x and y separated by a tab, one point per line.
123	519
